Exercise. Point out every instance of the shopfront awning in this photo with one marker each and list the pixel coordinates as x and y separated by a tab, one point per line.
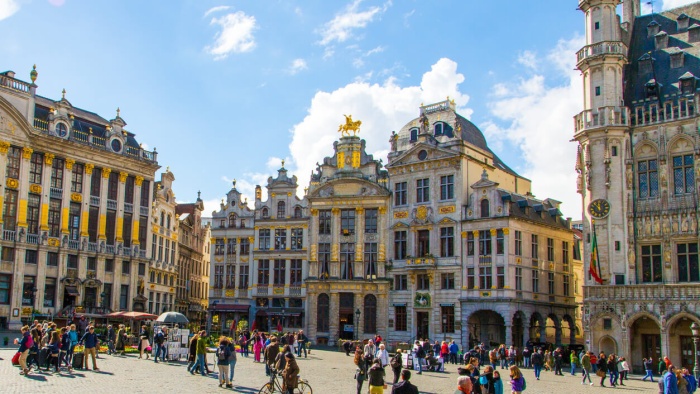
229	308
72	291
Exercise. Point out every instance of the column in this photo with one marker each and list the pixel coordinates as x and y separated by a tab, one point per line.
359	269
23	187
4	147
85	214
382	243
287	275
311	243
494	277
120	207
45	192
65	203
335	243
333	318
102	235
665	341
509	334
506	260
543	330
288	237
557	331
136	215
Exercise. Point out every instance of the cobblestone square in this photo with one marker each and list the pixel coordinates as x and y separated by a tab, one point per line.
328	372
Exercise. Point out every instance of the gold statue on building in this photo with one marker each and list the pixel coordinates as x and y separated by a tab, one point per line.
349	126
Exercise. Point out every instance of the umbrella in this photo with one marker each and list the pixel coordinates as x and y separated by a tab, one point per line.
138	316
115	314
172	318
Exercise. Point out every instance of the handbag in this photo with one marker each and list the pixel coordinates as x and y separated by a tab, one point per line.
600	373
15	358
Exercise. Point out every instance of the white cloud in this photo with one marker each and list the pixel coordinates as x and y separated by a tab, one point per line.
298	11
341	27
8	8
528	59
216	9
296	66
538	120
381	108
408	16
669	4
236	35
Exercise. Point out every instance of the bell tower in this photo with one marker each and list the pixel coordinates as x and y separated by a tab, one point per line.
601	132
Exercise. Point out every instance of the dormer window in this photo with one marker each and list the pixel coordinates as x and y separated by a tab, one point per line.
652	89
682	22
61	129
645	64
694	33
281	210
677	58
661	40
265	213
485	208
297	212
414	134
232	220
653	29
687	83
439	129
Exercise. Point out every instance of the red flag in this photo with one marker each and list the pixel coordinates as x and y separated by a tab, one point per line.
232	329
594	266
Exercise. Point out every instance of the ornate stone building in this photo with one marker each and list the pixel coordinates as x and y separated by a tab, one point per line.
232	236
280	256
458	221
349	200
638	176
194	241
76	208
163	272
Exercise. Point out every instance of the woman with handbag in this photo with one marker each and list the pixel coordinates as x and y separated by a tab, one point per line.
143	343
361	372
602	369
121	339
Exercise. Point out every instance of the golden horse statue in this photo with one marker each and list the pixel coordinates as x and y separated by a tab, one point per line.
349	126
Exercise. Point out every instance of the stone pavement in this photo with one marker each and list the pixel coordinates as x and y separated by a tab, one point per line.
328	372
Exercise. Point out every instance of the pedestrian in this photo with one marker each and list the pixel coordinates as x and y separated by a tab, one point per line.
404	387
537	360
594	362
573	360
111	335
464	385
663	367
548	364
302	339
290	374
682	383
143	342
89	340
65	345
647	363
497	383
201	352
24	344
602	369
376	377
54	349
159	341
670	381
361	372
454	350
612	369
232	359
526	356
121	339
257	347
369	351
347	346
502	356
586	368
222	357
517	380
383	356
486	381
73	334
33	357
418	356
271	352
692	382
558	356
623	368
396	365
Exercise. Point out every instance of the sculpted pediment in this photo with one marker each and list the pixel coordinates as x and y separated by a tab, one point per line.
422	153
349	188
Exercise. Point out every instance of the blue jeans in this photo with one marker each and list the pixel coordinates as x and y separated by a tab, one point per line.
302	345
231	369
201	361
649	375
420	364
503	363
573	369
613	378
538	369
527	362
159	349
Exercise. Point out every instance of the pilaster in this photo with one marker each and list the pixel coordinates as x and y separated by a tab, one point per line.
103	206
24	187
136	215
120	207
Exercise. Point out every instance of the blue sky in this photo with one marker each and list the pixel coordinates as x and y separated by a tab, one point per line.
226	89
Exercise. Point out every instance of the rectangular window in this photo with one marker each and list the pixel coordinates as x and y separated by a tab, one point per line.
95	182
324	260
92	264
36	166
74	221
14	158
447	187
110	231
230	276
534	247
50	292
683	175
8	254
245	246
107	298
347	257
535	281
297	239
109	265
470	243
400	282
280	239
54	217
129	190
295	273
72	261
347	221
264	239
651	264
550	283
400	245
33	209
597	90
423	243
400	193
113	186
324	221
280	272
422	190
447	281
52	259
93	222
28	293
263	272
470	278
142	269
500	242
518	278
126	267
448	318
5	288
57	173
30	256
500	277
230	246
485	279
423	282
371	218
76	185
370	260
647	179
124	297
518	243
566	285
447	241
10	213
614	151
565	255
550	249
145	194
484	243
243	277
597	25
688	270
400	315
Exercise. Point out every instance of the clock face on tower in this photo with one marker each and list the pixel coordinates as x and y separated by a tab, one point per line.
599	208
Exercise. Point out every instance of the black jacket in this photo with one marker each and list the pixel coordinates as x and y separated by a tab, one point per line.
376	375
404	387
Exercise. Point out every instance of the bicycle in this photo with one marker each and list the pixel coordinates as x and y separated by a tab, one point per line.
275	386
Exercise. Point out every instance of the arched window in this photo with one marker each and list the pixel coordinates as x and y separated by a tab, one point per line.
438	128
169	218
414	134
153	276
242	223
281	210
265	212
162	218
485	208
370	314
297	212
232	220
322	313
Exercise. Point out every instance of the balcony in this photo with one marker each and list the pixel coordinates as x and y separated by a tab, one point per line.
92	246
602	48
128	208
600	117
95	201
262	290
8	235
420	262
14	84
484	260
142	254
295	291
143	211
33	239
55	192
72	244
650	292
109	249
112	204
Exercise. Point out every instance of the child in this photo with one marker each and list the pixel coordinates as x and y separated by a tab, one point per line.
497	383
517	381
54	347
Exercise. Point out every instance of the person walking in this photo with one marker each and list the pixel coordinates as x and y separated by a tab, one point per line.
537	360
222	356
302	340
54	350
670	381
232	359
647	362
612	370
396	365
517	380
526	357
121	339
623	368
548	365
383	355
65	345
202	353
419	355
602	369
502	356
573	360
376	377
24	344
361	372
558	359
192	355
73	334
271	352
111	335
454	350
159	341
586	368
89	340
290	374
404	387
257	347
143	342
594	362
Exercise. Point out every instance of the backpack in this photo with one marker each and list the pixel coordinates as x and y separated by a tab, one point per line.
524	384
222	355
396	361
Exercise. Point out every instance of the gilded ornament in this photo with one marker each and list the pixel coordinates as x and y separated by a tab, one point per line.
446	210
289	194
349	126
106	172
494	231
359	210
314	211
382	210
76	197
122	176
475	233
48	158
69	164
53	242
464	234
506	231
335	211
4	147
138	181
422	213
27	152
12	183
400	215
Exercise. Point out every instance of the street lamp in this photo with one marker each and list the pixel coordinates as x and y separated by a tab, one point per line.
33	304
357	322
444	328
695	329
103	295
